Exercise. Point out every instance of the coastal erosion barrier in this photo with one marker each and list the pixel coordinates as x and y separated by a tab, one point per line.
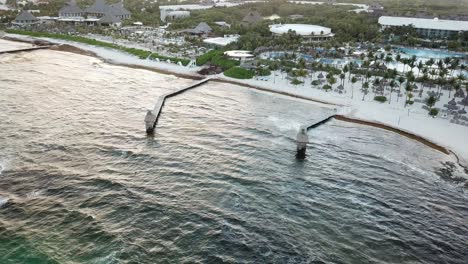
302	138
24	50
152	116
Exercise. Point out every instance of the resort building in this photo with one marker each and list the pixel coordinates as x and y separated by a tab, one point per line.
296	16
25	18
221	41
169	15
110	20
431	28
309	32
251	18
240	55
100	9
71	10
200	30
223	24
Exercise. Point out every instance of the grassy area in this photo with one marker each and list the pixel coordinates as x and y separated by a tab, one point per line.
142	54
239	73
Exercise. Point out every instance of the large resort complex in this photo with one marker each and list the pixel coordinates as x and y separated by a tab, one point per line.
428	27
234	131
99	13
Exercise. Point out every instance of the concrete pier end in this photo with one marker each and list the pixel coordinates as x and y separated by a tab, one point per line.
302	140
150	121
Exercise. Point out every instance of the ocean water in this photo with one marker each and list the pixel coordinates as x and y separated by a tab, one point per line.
81	182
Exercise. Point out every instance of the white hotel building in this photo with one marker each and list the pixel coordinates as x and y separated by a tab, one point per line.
434	28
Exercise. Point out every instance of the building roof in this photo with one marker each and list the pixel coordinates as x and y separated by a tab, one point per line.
252	17
71	8
118	9
222	23
222	41
26	16
424	23
296	16
239	54
99	6
300	29
203	28
109	18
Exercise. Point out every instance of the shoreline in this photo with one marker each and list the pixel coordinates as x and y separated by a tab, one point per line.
342	117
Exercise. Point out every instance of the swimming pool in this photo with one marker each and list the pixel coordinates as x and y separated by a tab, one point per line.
435	54
279	54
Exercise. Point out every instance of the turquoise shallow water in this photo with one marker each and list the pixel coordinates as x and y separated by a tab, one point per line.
218	183
434	54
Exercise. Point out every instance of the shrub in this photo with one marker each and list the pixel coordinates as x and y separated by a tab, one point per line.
203	59
327	87
239	73
295	81
263	72
433	112
315	82
216	57
380	98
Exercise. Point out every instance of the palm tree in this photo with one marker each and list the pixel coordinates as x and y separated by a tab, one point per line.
405	62
454	65
365	88
420	67
392	85
353	81
451	85
400	80
408	89
342	77
388	60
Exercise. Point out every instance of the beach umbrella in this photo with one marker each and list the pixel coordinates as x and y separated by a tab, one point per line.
462	111
452	107
452	102
464	101
340	87
460	94
320	76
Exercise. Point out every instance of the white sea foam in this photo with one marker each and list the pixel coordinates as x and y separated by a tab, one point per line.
33	194
3	201
284	125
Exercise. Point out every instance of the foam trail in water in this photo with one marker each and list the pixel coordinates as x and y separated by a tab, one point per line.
3	201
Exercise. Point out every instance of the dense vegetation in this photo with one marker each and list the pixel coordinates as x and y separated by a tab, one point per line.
348	26
239	73
216	57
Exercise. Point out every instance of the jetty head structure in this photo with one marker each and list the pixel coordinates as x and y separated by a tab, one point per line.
152	116
302	139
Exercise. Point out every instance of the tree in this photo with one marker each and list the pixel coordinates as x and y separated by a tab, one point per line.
430	102
353	81
365	88
342	77
409	95
392	85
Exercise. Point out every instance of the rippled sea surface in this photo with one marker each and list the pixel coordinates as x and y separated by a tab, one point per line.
81	182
